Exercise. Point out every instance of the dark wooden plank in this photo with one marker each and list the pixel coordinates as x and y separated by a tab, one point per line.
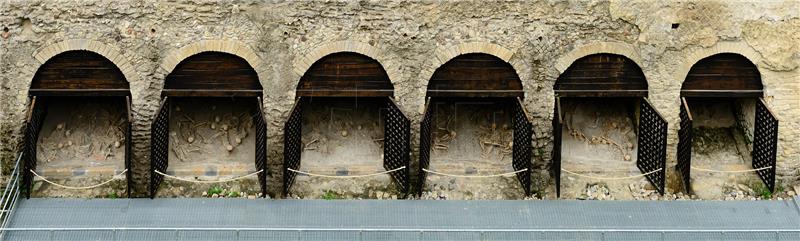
601	93
210	93
79	92
75	70
211	74
723	75
345	74
475	75
602	75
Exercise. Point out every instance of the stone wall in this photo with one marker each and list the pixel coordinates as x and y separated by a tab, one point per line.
147	38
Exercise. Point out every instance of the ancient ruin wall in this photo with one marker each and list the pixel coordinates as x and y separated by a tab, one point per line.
146	39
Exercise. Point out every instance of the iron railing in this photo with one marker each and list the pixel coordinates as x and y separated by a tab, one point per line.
425	144
261	146
10	196
555	166
765	143
397	145
159	146
684	166
652	139
522	150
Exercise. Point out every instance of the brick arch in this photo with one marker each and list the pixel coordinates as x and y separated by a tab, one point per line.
233	47
598	48
111	53
740	48
302	65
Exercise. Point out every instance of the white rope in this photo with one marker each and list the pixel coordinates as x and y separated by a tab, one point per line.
78	188
201	181
610	178
733	171
342	177
474	176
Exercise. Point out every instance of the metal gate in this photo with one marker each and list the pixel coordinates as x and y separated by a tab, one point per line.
159	146
652	140
765	143
260	121
292	144
685	147
424	146
522	151
397	146
128	144
35	119
555	167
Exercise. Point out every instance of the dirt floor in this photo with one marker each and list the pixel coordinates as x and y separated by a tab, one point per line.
82	143
599	139
719	143
471	138
212	138
342	137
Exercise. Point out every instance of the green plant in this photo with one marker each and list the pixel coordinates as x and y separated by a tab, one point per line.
112	195
234	194
762	191
214	190
330	195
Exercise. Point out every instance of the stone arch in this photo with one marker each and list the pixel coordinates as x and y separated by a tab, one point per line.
739	48
301	65
109	52
598	48
233	47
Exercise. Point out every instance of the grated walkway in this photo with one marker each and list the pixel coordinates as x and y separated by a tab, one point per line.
242	219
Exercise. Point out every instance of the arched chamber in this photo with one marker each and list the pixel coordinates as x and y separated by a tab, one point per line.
210	129
475	136
345	136
605	128
78	128
726	127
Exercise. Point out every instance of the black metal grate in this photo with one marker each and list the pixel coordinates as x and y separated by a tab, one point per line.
685	147
424	146
36	114
128	144
261	146
159	146
652	139
292	144
555	167
522	151
396	147
765	143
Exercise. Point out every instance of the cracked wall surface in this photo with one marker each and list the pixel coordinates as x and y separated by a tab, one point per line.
147	38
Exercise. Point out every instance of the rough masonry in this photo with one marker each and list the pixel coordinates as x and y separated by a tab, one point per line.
146	39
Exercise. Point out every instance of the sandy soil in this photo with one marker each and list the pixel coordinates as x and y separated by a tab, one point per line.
472	138
212	138
343	136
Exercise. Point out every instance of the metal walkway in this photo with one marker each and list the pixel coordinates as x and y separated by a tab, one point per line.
284	220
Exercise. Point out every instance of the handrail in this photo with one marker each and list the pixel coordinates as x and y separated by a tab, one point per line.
10	196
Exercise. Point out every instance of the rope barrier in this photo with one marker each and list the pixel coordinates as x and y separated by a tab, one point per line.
474	176
610	178
206	182
733	171
78	188
343	177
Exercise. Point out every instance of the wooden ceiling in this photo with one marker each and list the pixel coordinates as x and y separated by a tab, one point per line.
602	75
79	73
213	74
475	75
723	75
345	74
